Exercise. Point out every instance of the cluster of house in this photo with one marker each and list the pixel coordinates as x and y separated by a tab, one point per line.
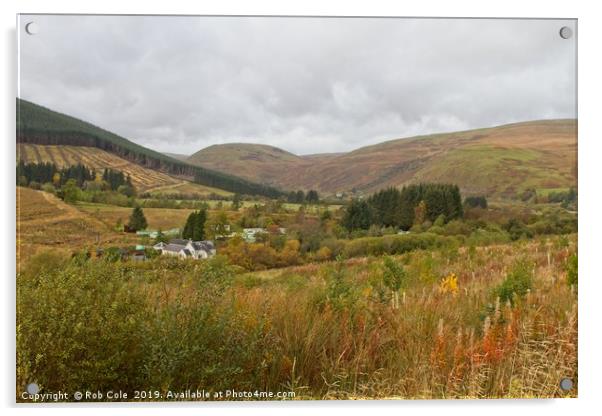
186	249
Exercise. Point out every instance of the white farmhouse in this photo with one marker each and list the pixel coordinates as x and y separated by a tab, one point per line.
187	249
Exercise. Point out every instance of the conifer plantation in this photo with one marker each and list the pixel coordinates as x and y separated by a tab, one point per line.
397	208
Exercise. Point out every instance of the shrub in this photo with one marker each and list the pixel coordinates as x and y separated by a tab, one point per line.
35	185
457	227
323	254
48	187
394	275
340	292
440	221
516	229
571	270
80	325
517	282
335	246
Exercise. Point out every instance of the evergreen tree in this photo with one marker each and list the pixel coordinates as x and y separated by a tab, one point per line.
198	228
236	202
137	220
312	197
406	208
194	228
291	197
358	215
386	205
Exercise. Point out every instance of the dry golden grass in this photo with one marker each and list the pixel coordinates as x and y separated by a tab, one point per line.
44	221
438	343
157	218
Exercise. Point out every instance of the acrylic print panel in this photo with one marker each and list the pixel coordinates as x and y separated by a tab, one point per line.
295	208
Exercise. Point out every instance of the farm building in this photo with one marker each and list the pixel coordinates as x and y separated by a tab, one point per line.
250	234
187	249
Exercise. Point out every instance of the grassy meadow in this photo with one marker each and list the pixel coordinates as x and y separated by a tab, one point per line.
450	322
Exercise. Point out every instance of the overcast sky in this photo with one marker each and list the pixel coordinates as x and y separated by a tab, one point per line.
307	85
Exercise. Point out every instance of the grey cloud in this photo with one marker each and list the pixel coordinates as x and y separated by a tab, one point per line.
307	85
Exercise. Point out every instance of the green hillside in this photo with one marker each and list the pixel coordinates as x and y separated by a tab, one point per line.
502	161
40	125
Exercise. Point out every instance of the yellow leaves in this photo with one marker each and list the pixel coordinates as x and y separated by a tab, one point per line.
449	284
292	245
324	253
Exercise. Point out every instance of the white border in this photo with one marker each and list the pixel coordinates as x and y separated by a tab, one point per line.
590	293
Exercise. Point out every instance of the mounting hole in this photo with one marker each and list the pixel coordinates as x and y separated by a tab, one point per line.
566	384
33	388
31	28
566	32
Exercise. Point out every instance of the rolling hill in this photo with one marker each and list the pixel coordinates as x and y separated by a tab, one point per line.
41	126
499	161
256	162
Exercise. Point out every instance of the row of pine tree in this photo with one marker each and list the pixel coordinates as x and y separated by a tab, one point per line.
413	204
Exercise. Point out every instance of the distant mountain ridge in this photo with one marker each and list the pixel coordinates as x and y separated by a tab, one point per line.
496	161
177	156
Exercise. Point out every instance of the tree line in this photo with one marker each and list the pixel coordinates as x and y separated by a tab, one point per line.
413	204
41	173
49	172
116	178
299	197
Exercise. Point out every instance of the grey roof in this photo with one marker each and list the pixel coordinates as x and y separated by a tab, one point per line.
173	247
179	241
203	245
